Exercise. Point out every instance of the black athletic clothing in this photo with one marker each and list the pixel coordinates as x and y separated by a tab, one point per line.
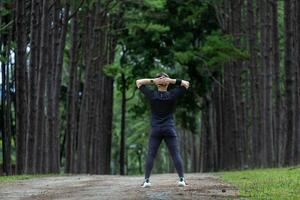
162	104
162	125
168	134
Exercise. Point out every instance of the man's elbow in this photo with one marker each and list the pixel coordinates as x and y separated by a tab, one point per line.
138	83
186	84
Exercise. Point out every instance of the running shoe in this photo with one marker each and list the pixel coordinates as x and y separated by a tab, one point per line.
182	182
146	183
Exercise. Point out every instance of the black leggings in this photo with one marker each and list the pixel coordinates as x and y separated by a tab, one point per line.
168	133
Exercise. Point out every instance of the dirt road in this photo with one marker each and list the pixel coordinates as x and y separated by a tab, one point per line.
95	187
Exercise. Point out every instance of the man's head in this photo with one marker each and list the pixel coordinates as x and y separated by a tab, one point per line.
162	74
162	86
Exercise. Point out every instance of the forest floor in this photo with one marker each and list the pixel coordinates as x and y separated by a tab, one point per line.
89	187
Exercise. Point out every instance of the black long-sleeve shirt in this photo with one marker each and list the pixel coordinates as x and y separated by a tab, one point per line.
162	104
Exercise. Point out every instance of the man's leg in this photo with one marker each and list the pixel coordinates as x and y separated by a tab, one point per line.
171	142
154	142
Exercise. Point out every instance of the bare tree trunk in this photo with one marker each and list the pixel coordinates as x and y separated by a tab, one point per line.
32	78
39	136
21	90
289	84
56	93
85	103
237	84
209	151
268	99
194	153
5	46
111	45
52	54
276	64
251	21
297	139
217	98
261	7
5	106
122	141
71	131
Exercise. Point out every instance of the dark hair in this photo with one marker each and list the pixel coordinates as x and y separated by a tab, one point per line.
162	74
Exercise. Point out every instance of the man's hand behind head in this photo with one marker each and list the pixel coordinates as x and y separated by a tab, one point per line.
161	81
185	84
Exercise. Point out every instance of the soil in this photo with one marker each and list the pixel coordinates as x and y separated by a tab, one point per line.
90	187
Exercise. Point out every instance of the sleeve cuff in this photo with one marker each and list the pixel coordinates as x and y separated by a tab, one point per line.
178	82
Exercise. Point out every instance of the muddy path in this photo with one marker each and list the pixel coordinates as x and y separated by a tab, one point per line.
92	187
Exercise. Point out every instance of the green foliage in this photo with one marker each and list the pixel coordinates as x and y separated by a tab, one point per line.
5	9
156	4
151	27
112	69
277	183
5	179
184	57
219	49
6	13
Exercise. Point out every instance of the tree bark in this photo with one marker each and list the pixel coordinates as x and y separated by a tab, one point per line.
32	78
297	139
277	91
123	117
268	98
71	131
56	92
289	84
21	90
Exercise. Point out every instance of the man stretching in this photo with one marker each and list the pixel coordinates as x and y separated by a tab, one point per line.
162	103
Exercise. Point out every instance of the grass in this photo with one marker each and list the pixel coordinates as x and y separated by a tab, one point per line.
5	179
275	183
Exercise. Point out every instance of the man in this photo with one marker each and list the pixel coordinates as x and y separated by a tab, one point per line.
162	103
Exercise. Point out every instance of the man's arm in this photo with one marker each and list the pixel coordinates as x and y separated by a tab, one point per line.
178	91
183	83
145	81
148	81
145	90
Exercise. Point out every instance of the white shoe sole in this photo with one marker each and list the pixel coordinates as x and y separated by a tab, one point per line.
146	185
181	184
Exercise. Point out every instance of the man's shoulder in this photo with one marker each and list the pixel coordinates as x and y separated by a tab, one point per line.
177	91
146	91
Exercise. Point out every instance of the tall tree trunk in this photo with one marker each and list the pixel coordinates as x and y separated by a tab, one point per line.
276	66
252	41
41	87
237	84
5	107
108	106
83	116
268	88
21	90
289	84
32	78
54	167
262	80
122	141
208	137
71	131
6	96
297	139
217	98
